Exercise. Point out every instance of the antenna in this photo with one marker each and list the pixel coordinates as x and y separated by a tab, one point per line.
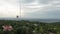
20	10
19	6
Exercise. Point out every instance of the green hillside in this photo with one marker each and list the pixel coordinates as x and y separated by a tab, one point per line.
30	27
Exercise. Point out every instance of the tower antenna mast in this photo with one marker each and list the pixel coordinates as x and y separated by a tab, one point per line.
19	10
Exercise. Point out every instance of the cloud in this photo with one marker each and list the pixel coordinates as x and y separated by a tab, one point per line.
41	9
30	8
8	8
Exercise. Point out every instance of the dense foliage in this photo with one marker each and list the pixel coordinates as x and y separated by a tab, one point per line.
31	27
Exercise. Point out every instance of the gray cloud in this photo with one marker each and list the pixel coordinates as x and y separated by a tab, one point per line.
27	1
40	8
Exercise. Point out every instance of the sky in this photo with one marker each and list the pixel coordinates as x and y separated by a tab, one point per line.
44	9
9	8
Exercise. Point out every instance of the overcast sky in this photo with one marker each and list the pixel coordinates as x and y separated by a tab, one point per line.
9	8
44	9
